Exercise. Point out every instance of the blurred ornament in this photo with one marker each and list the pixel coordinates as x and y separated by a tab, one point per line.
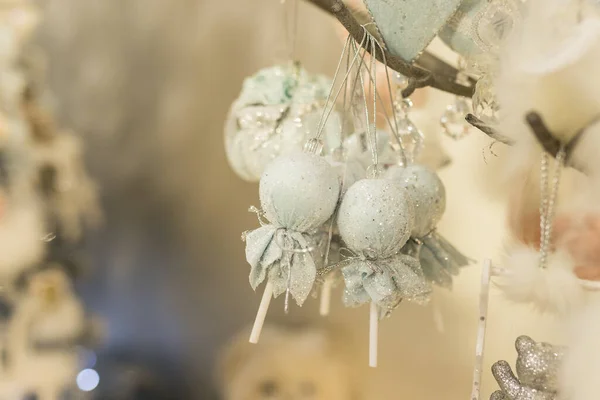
294	363
495	23
439	259
278	110
69	193
411	138
349	169
485	103
481	26
358	148
298	193
453	120
43	336
21	216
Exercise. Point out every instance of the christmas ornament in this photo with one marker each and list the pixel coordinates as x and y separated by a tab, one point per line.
439	259
21	215
43	335
537	368
294	362
375	220
411	137
278	110
453	120
485	103
69	193
298	193
407	27
544	278
546	68
481	26
358	149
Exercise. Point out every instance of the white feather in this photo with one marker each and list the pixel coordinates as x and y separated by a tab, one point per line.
580	369
549	67
553	289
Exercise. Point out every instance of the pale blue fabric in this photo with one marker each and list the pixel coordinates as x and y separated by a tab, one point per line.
408	26
385	282
266	255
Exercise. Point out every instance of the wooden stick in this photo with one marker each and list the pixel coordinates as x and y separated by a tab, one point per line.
262	313
484	297
325	304
373	335
488	130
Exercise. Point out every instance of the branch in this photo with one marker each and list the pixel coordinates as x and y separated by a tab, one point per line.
552	145
420	77
549	143
488	130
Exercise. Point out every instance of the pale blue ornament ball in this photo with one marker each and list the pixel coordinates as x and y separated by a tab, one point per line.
376	217
299	191
427	193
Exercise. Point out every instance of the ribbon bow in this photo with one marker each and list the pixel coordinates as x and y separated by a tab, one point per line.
284	256
384	281
439	259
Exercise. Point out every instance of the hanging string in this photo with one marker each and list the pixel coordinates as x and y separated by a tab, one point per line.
326	111
393	127
357	76
373	145
395	132
548	201
373	75
290	26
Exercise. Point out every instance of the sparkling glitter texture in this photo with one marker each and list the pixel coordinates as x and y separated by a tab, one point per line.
538	363
537	368
427	193
298	194
299	191
376	216
278	109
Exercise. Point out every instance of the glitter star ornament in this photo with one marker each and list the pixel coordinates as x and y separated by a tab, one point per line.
277	111
439	259
298	194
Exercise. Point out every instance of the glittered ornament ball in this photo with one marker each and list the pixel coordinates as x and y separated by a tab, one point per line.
277	111
376	216
427	193
299	191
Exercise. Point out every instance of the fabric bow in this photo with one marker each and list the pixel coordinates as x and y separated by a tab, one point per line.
439	259
384	281
284	257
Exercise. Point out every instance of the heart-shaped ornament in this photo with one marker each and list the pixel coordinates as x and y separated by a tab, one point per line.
408	26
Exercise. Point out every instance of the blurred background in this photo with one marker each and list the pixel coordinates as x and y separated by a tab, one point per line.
147	85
